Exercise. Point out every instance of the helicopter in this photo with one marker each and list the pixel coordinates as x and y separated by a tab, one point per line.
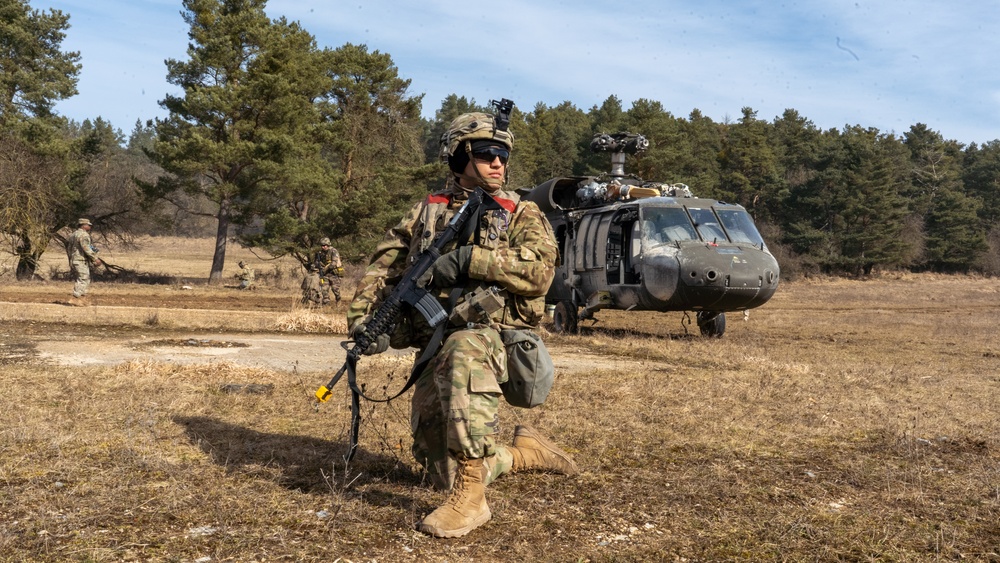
625	243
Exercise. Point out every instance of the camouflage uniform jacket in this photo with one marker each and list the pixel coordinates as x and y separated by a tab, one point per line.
516	253
327	262
80	248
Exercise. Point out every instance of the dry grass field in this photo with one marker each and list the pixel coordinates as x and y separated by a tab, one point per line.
845	420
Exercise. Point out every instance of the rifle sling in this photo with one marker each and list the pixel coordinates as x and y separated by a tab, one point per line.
470	230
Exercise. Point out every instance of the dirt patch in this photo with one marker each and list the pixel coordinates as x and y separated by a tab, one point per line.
300	353
196	342
17	352
167	297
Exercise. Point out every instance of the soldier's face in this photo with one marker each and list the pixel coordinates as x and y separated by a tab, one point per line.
490	168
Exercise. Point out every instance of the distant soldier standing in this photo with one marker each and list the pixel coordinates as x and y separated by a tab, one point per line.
327	264
81	253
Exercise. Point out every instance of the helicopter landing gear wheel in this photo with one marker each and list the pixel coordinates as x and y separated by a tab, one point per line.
712	324
564	318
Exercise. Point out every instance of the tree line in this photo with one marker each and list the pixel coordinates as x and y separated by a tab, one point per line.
276	142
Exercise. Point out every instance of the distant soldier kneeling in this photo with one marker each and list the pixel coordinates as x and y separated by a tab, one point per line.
245	275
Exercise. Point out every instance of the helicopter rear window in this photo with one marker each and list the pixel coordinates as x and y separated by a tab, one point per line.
666	224
740	226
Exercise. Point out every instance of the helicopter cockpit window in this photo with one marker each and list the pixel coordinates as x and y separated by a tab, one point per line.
740	226
707	224
661	225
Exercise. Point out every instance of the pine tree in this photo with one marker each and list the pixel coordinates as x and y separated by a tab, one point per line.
35	72
668	151
750	170
35	178
955	239
702	171
849	216
246	132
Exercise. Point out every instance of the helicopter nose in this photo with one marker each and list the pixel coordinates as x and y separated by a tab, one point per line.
727	278
660	275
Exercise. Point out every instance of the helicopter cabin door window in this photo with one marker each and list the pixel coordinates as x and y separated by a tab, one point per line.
623	248
583	256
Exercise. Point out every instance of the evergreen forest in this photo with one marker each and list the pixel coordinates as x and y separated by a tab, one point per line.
277	142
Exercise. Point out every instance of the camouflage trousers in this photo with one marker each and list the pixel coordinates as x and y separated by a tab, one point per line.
80	271
317	290
334	283
455	404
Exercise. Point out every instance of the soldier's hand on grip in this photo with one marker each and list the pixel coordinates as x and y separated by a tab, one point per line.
449	269
377	346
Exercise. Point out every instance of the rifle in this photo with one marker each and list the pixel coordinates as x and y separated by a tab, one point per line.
464	225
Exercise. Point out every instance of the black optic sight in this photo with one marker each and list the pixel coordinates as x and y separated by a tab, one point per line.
504	107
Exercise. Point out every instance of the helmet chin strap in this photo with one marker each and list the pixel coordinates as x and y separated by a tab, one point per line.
477	180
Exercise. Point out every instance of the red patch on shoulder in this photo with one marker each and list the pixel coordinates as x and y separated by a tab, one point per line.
506	204
438	198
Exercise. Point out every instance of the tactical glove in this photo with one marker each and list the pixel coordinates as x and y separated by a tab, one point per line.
339	272
379	345
449	269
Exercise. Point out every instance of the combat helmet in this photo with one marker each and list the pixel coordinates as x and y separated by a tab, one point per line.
324	241
477	130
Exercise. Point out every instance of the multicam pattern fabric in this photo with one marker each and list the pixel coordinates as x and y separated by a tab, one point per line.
80	251
456	398
516	252
246	276
472	127
327	263
455	401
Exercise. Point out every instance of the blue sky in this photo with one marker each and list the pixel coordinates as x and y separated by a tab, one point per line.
887	64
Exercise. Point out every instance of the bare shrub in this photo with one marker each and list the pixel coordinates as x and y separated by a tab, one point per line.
304	319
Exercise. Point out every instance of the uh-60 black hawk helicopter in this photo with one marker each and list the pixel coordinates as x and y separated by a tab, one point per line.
625	243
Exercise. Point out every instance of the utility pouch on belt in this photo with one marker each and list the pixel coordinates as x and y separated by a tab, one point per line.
530	370
477	307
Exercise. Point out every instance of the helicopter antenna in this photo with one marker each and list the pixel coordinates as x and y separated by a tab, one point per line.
619	144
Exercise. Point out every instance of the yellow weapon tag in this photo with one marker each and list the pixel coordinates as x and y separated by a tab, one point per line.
323	394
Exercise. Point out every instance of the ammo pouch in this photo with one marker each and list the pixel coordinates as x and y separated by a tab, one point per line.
530	370
478	306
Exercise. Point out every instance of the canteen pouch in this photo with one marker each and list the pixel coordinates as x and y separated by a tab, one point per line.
530	371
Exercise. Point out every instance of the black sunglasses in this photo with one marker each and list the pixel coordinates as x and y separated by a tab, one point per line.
489	153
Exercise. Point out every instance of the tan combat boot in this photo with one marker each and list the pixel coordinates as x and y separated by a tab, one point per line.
532	451
466	508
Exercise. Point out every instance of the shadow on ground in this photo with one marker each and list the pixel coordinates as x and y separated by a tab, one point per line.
305	463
